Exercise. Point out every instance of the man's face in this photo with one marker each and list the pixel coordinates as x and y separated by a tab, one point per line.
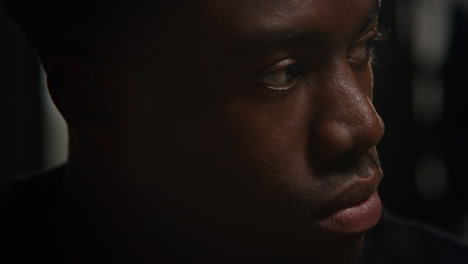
248	126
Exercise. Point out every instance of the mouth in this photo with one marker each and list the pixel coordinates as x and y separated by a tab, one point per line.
356	208
354	219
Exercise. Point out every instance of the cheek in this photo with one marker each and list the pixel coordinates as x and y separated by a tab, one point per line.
264	140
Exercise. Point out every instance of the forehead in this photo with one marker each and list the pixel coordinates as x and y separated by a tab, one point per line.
319	15
211	28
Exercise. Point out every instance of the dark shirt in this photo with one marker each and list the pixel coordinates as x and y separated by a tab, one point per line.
30	208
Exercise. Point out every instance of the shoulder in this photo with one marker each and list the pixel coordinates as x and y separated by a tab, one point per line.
395	240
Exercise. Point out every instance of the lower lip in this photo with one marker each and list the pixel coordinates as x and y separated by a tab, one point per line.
355	219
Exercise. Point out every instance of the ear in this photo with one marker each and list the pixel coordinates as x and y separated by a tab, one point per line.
73	87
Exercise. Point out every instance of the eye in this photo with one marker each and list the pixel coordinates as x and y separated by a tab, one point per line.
361	55
281	76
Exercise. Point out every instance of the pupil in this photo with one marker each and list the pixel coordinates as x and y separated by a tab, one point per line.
291	73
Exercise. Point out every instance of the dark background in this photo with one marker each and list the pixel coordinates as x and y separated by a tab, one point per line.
421	86
421	93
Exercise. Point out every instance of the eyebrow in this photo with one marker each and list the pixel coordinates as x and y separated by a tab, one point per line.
276	40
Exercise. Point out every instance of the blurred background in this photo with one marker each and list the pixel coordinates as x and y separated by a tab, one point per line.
421	91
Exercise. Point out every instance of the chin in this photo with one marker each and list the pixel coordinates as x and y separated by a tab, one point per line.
350	252
327	249
318	248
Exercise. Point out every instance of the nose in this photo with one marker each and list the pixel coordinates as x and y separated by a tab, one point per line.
346	119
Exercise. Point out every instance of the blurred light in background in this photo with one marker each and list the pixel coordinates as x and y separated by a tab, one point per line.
32	133
428	100
54	129
432	25
431	178
421	90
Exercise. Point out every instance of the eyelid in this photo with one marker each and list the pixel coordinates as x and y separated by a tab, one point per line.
360	53
366	37
371	27
278	66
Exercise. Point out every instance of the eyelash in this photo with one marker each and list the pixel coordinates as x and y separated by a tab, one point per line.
369	46
381	36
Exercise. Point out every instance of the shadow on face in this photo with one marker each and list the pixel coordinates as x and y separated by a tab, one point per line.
226	128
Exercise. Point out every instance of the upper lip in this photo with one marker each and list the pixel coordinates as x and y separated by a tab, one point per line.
353	193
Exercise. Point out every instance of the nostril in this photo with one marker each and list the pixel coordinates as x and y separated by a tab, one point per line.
371	130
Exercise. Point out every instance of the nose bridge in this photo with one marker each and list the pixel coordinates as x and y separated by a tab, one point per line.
348	119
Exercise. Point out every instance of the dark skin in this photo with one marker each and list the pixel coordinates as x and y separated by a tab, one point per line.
226	129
